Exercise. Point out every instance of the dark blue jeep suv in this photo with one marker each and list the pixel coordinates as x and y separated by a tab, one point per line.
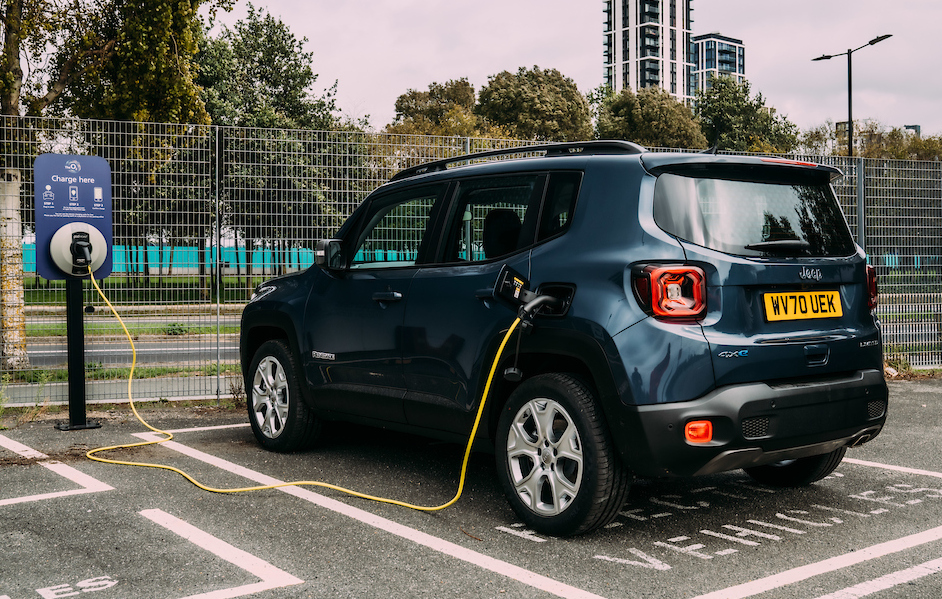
701	313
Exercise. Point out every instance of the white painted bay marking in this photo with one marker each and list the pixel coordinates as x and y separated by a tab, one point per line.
523	534
887	582
272	577
732	538
20	449
800	573
472	557
903	469
648	561
86	482
197	429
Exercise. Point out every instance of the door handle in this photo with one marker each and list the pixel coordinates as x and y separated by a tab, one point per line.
387	296
484	294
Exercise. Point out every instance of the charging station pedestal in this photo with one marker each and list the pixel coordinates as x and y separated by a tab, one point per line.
73	235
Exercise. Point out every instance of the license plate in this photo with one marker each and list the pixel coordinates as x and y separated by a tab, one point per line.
801	305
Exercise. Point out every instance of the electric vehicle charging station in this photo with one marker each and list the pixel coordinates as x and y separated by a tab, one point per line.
73	236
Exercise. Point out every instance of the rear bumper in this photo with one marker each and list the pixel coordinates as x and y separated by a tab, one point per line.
759	423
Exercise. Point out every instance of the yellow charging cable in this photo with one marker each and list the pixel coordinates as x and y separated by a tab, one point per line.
464	464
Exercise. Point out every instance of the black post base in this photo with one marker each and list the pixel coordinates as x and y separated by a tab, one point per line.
62	426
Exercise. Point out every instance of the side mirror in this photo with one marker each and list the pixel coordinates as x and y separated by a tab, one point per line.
328	254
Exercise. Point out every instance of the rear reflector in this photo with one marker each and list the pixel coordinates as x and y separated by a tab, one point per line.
699	431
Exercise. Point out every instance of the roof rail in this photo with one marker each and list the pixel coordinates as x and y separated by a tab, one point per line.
585	148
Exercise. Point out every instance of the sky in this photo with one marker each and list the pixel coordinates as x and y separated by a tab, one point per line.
376	50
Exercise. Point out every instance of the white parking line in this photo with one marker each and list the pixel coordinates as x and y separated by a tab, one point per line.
272	577
86	482
902	469
794	575
197	429
486	562
887	582
20	449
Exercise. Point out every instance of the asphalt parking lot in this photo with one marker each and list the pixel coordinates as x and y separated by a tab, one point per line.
70	527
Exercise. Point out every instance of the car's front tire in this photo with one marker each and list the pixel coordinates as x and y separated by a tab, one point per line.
797	473
555	460
280	419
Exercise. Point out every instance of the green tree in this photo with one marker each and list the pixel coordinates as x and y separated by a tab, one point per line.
86	43
875	141
536	104
257	74
150	76
818	140
735	120
651	118
896	143
149	73
446	109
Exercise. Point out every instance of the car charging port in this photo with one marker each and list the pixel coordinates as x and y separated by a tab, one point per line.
513	288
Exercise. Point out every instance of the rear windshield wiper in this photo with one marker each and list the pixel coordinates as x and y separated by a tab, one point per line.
782	245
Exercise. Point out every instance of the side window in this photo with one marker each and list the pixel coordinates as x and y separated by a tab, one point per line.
560	203
395	229
492	217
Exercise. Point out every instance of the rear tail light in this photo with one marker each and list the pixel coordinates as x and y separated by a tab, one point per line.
672	292
872	289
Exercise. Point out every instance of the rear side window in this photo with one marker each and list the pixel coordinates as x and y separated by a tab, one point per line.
560	202
753	218
491	215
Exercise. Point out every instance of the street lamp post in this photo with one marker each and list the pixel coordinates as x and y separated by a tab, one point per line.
850	101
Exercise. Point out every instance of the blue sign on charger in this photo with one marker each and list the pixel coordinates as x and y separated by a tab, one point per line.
71	189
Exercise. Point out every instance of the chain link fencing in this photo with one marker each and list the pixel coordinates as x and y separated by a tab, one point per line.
204	213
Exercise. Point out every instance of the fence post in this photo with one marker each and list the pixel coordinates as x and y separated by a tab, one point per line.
217	197
861	203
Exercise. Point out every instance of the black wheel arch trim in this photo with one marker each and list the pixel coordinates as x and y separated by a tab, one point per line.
258	319
566	349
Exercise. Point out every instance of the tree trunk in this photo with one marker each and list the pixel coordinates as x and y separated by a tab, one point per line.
12	306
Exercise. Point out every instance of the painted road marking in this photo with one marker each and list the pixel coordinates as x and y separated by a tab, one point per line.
20	449
887	582
894	468
86	482
272	577
523	534
800	573
197	429
486	562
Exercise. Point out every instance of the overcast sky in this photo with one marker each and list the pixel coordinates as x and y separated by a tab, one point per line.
377	50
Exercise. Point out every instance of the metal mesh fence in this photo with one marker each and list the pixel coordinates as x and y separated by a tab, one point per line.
202	214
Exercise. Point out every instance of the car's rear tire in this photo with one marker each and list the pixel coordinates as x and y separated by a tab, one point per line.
280	419
555	460
797	473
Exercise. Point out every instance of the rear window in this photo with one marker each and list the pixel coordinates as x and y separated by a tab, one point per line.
752	218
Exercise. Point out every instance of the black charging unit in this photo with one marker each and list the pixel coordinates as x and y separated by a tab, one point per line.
73	237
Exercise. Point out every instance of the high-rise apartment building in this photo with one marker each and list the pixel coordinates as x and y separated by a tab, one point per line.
716	55
650	43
